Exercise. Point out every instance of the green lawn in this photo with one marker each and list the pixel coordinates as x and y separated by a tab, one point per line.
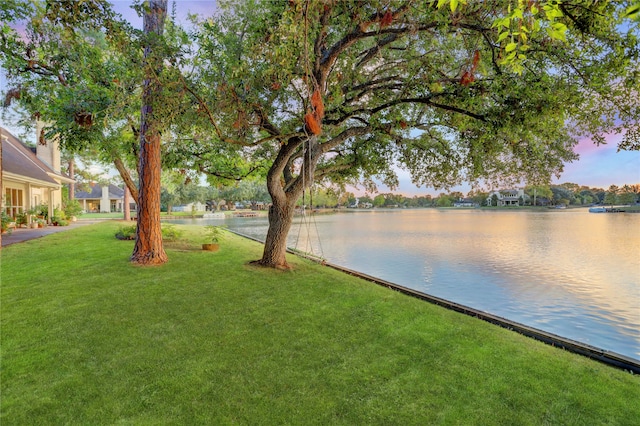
120	215
88	338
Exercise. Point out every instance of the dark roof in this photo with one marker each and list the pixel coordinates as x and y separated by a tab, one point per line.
17	158
96	192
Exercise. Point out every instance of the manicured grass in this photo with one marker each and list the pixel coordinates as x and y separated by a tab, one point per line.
88	338
119	215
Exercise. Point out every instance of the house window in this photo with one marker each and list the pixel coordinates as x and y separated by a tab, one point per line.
13	201
93	206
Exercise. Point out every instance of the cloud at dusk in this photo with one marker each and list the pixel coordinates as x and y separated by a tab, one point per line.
597	167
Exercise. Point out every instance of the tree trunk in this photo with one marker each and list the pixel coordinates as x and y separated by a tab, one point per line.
126	202
126	177
72	175
284	200
148	248
275	246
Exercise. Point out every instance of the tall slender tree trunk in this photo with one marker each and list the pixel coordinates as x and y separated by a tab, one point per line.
148	248
72	175
126	203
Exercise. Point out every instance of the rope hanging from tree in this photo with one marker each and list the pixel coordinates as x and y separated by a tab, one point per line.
312	129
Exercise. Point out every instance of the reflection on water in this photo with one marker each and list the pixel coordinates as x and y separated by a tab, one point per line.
571	273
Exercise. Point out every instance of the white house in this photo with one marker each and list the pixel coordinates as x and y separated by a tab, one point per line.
466	203
509	197
104	198
30	177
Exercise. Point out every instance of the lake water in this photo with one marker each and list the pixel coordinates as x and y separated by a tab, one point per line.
569	272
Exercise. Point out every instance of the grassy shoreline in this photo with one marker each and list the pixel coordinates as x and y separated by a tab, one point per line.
87	338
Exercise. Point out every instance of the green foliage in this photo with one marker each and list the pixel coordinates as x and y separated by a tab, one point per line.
126	232
498	127
444	201
22	219
72	208
171	232
633	11
629	194
213	233
5	219
59	217
611	196
40	210
76	66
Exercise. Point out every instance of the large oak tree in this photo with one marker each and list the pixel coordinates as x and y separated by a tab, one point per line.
471	91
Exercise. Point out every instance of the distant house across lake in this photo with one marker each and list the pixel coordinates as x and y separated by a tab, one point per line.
466	203
508	197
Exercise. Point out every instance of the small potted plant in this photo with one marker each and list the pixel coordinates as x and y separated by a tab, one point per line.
22	219
5	220
213	236
59	218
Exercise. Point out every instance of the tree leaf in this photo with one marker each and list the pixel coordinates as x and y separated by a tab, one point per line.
502	36
511	46
633	12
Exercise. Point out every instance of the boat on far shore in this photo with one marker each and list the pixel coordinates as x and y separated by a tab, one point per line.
605	210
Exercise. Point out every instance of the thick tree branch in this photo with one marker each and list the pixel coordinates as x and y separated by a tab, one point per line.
371	53
279	164
330	55
236	178
125	175
349	133
323	172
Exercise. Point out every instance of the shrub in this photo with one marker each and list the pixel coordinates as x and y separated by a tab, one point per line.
5	220
22	219
126	232
170	233
72	208
40	210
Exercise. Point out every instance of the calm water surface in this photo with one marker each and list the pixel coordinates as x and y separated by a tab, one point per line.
572	273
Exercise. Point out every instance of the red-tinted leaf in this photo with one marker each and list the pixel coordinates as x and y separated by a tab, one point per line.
387	19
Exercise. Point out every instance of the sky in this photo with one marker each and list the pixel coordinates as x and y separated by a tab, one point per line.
598	166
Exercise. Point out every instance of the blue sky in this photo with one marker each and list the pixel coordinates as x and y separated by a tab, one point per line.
598	166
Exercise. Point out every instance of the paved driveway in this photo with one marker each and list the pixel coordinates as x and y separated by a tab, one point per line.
23	234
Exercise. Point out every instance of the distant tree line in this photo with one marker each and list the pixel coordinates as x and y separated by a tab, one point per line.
251	191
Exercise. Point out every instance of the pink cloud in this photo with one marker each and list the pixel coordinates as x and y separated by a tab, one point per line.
587	145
